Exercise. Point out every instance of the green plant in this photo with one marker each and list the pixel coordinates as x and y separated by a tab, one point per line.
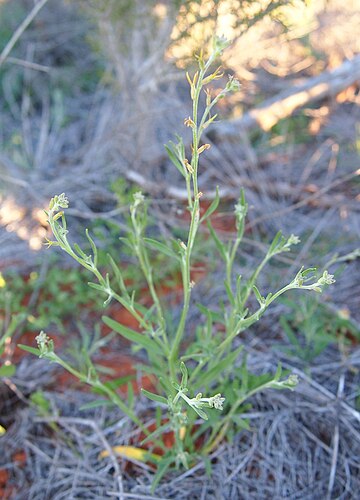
308	328
59	292
198	383
311	326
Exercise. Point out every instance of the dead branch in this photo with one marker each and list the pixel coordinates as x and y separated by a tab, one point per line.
284	104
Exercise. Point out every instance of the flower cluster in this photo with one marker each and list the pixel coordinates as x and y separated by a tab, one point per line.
45	344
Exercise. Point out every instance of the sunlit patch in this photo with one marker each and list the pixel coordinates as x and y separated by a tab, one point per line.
39	215
10	212
15	219
160	10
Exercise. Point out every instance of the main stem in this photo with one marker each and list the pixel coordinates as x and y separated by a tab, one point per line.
194	225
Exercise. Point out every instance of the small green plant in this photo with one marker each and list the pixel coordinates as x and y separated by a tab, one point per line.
201	393
59	292
308	329
311	326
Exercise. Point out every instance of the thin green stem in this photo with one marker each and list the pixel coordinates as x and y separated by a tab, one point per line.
219	430
195	214
247	322
230	262
194	225
146	269
145	266
99	385
187	293
252	281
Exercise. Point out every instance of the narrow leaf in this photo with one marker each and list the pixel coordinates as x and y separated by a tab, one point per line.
157	432
289	332
258	295
130	395
80	252
96	286
229	293
118	382
15	321
184	379
175	160
200	412
136	337
278	372
32	350
161	471
96	404
118	275
154	397
216	316
93	247
275	243
212	207
160	247
214	372
219	244
244	375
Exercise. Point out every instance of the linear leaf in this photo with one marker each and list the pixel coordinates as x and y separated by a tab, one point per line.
229	293
175	160
32	350
163	466
93	247
160	247
212	207
214	372
135	337
96	404
154	397
216	316
157	432
118	382
96	286
130	395
118	275
200	412
219	244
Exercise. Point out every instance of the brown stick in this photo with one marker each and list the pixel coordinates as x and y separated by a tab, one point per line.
328	84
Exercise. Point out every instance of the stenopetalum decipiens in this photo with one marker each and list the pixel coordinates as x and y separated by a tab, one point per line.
201	389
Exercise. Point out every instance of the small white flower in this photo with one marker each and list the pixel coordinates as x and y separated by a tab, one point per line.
42	339
45	343
139	198
326	279
216	402
292	240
